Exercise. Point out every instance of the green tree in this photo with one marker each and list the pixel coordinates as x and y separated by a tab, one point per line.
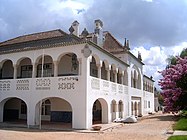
160	99
183	53
172	60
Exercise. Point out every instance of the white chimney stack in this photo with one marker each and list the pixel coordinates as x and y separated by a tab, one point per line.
75	26
99	32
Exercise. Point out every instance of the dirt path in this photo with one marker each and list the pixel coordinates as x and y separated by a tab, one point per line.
152	128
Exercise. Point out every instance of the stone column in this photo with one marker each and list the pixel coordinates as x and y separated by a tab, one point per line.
122	78
132	108
55	68
108	74
117	110
99	71
1	112
33	115
15	71
80	66
34	70
115	76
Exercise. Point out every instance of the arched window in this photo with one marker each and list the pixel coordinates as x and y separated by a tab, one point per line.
119	75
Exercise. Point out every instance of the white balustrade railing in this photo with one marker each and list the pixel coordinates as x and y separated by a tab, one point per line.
45	83
108	86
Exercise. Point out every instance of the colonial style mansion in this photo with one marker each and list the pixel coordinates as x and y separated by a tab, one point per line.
79	79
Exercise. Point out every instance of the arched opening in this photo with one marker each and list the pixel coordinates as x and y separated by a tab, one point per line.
136	77
103	71
136	108
144	84
119	75
48	68
93	68
100	111
120	108
15	110
7	70
132	108
97	112
68	65
113	109
24	69
54	112
112	74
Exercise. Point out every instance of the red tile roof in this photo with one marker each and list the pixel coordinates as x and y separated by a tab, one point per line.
34	36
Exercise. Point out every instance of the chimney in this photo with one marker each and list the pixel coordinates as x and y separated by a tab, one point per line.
75	26
84	33
98	32
126	44
139	56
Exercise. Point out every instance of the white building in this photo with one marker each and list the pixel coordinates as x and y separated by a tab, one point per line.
66	78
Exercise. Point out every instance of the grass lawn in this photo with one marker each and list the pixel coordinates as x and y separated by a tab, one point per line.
181	124
177	138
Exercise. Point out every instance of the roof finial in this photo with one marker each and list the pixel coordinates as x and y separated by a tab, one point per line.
125	43
128	45
139	56
71	30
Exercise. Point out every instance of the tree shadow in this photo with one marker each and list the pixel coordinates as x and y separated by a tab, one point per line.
168	117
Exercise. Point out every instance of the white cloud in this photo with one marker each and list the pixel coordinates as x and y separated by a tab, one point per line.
148	0
152	56
155	58
60	7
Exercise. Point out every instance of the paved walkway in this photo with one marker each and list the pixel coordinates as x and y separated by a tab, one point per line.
180	133
154	127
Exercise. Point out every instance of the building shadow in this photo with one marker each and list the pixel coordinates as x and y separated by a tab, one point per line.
164	117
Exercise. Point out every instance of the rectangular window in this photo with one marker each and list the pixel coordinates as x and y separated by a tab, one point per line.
0	73
149	105
47	70
26	71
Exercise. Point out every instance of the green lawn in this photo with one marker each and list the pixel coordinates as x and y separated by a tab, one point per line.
181	124
177	138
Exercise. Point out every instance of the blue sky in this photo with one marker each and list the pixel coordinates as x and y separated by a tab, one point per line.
156	28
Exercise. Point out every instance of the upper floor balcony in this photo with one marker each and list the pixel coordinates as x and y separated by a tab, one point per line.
64	74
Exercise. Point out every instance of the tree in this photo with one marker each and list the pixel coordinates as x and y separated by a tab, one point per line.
160	99
183	53
172	60
174	85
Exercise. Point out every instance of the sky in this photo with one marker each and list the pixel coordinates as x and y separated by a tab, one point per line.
156	28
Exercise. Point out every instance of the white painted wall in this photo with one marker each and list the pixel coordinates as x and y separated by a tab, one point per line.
80	91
